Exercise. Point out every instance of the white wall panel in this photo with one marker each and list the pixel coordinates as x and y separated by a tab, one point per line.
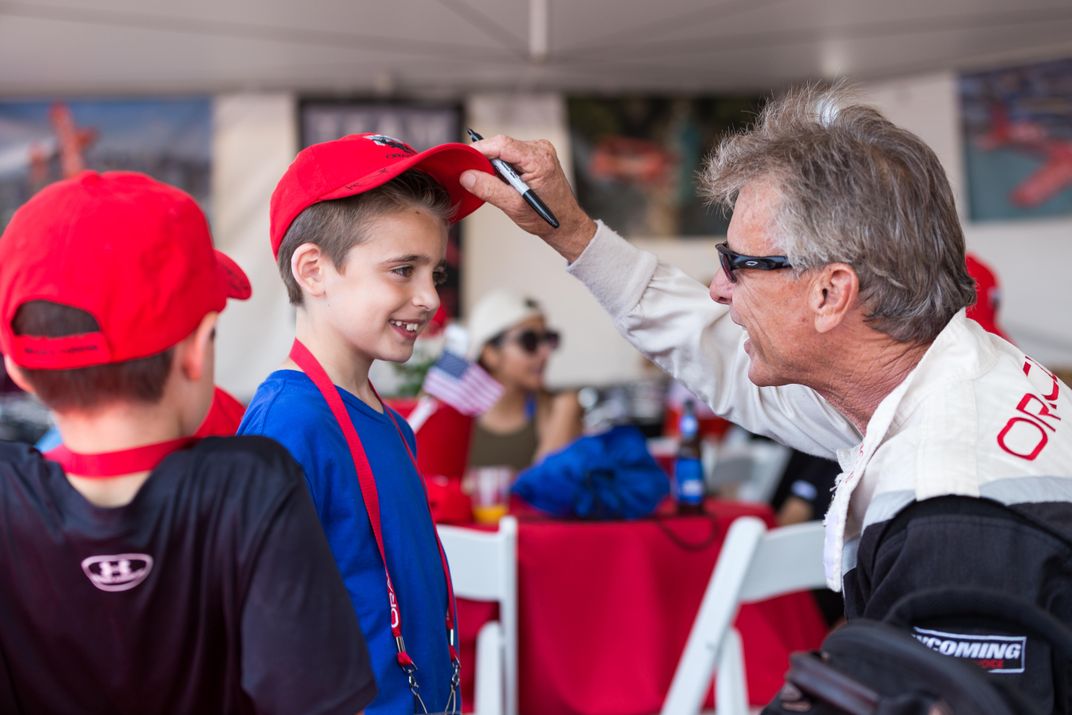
255	141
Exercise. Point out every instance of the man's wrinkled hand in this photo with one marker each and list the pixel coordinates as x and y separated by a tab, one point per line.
537	163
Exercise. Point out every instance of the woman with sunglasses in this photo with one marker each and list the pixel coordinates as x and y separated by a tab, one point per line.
509	337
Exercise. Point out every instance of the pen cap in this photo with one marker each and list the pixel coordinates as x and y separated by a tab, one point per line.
358	163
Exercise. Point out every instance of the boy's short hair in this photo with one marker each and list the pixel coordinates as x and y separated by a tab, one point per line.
338	225
359	163
104	270
85	388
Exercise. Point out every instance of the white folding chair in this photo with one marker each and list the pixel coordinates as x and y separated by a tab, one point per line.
483	566
754	564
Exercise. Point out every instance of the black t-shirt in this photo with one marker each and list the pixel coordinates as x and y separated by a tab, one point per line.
808	478
212	591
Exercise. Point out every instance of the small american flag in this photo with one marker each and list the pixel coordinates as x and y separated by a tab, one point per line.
463	385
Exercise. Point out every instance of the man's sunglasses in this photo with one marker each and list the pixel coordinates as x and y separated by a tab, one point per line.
732	261
530	340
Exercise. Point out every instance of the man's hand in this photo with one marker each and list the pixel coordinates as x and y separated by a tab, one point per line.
537	163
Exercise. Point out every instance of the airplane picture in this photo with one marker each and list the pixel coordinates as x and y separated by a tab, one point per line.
1055	173
45	141
1018	141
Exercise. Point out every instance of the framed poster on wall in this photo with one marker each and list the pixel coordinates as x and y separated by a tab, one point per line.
169	138
419	124
636	160
1017	134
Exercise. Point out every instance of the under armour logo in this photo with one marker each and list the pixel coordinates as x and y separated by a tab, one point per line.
118	572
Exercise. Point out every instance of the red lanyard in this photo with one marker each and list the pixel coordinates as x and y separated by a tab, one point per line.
315	371
114	464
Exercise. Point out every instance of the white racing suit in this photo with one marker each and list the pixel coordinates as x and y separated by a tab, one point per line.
963	476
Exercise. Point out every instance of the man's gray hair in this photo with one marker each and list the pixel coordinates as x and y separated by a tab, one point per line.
858	190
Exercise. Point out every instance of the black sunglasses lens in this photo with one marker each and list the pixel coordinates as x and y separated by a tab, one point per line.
529	341
726	266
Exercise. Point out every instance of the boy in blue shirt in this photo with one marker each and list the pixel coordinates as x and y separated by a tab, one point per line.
359	231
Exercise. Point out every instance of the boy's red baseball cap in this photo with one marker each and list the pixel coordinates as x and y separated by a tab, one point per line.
360	162
987	296
133	252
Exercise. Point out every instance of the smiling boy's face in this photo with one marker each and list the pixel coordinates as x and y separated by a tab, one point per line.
386	293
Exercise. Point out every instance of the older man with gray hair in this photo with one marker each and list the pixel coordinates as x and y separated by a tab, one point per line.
836	325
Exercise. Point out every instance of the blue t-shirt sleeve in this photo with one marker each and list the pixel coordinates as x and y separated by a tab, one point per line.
297	425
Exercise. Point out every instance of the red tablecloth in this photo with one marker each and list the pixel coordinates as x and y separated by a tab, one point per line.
605	609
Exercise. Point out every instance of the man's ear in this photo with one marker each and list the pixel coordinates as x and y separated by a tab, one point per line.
307	265
833	294
17	375
197	353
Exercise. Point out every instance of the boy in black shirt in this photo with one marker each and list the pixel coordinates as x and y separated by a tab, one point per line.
146	571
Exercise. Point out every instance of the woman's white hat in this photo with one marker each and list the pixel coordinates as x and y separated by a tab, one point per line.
495	313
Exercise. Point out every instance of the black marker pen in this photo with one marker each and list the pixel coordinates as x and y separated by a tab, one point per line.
511	176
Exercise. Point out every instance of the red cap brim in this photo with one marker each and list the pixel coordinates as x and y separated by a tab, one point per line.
445	163
234	279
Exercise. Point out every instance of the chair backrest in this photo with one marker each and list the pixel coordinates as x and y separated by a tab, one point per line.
754	564
785	560
483	567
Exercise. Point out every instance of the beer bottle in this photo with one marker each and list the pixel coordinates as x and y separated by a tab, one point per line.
688	468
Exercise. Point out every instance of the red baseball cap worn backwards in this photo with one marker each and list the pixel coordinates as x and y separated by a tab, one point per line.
358	163
133	252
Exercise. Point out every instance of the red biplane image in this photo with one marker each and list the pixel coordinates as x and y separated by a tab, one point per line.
1018	140
1055	173
42	141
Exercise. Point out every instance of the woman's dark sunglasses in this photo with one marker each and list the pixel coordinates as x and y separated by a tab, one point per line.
530	340
732	261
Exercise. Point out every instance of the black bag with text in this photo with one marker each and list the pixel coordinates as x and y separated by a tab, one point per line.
950	651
